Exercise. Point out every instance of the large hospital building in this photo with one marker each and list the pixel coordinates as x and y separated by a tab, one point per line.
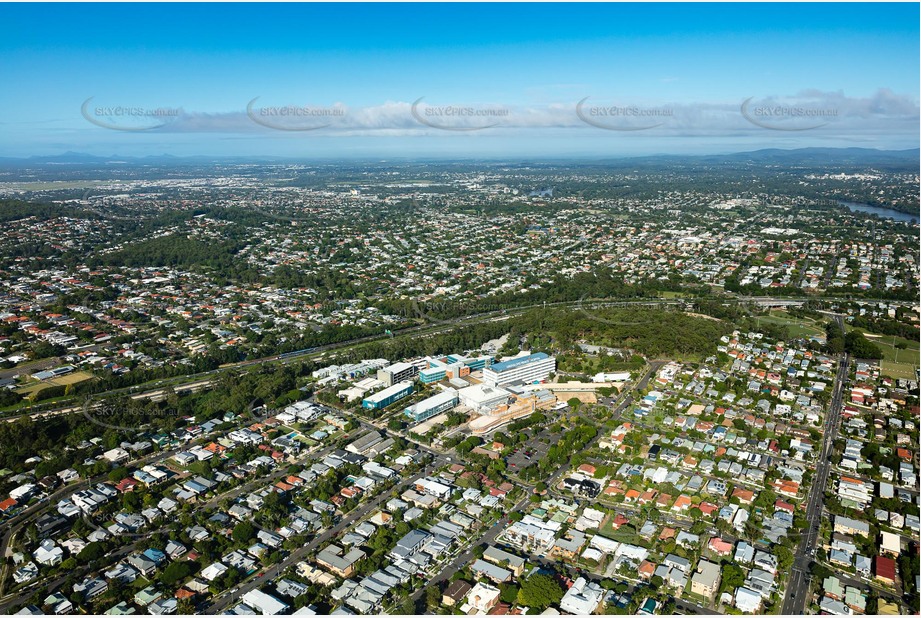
520	370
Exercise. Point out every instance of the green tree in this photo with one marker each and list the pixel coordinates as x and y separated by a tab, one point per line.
432	597
860	347
69	565
118	474
93	551
784	558
408	607
176	571
732	576
508	592
243	532
539	591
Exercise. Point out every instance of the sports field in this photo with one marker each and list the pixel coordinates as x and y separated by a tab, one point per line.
70	378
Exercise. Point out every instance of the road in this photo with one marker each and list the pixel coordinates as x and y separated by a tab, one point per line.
433	326
797	593
490	534
654	366
22	597
30	513
863	584
31	367
225	600
17	523
23	519
488	537
795	590
154	395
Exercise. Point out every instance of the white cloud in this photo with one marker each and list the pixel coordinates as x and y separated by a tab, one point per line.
885	113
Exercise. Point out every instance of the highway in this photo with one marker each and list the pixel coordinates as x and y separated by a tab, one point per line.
798	586
158	388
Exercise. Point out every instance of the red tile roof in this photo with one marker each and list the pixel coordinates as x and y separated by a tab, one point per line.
885	568
126	484
780	505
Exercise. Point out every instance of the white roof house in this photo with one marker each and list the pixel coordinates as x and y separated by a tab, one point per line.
265	604
747	601
213	571
480	599
116	455
49	553
890	543
582	598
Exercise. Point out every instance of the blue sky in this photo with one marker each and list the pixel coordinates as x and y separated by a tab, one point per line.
495	79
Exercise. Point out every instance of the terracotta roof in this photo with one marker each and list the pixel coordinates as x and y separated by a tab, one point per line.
885	568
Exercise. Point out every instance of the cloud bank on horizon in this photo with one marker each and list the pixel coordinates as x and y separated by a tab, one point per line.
586	89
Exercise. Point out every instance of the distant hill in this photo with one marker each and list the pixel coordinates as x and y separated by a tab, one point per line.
862	156
797	156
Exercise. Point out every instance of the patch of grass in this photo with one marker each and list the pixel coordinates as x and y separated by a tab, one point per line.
897	363
898	370
71	378
888	340
694	597
624	534
797	327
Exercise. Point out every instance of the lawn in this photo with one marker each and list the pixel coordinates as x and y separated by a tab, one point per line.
896	363
70	378
898	370
625	534
797	327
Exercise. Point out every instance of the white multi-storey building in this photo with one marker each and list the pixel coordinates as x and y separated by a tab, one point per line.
520	370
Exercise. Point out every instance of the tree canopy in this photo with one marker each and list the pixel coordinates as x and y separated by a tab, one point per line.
540	591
